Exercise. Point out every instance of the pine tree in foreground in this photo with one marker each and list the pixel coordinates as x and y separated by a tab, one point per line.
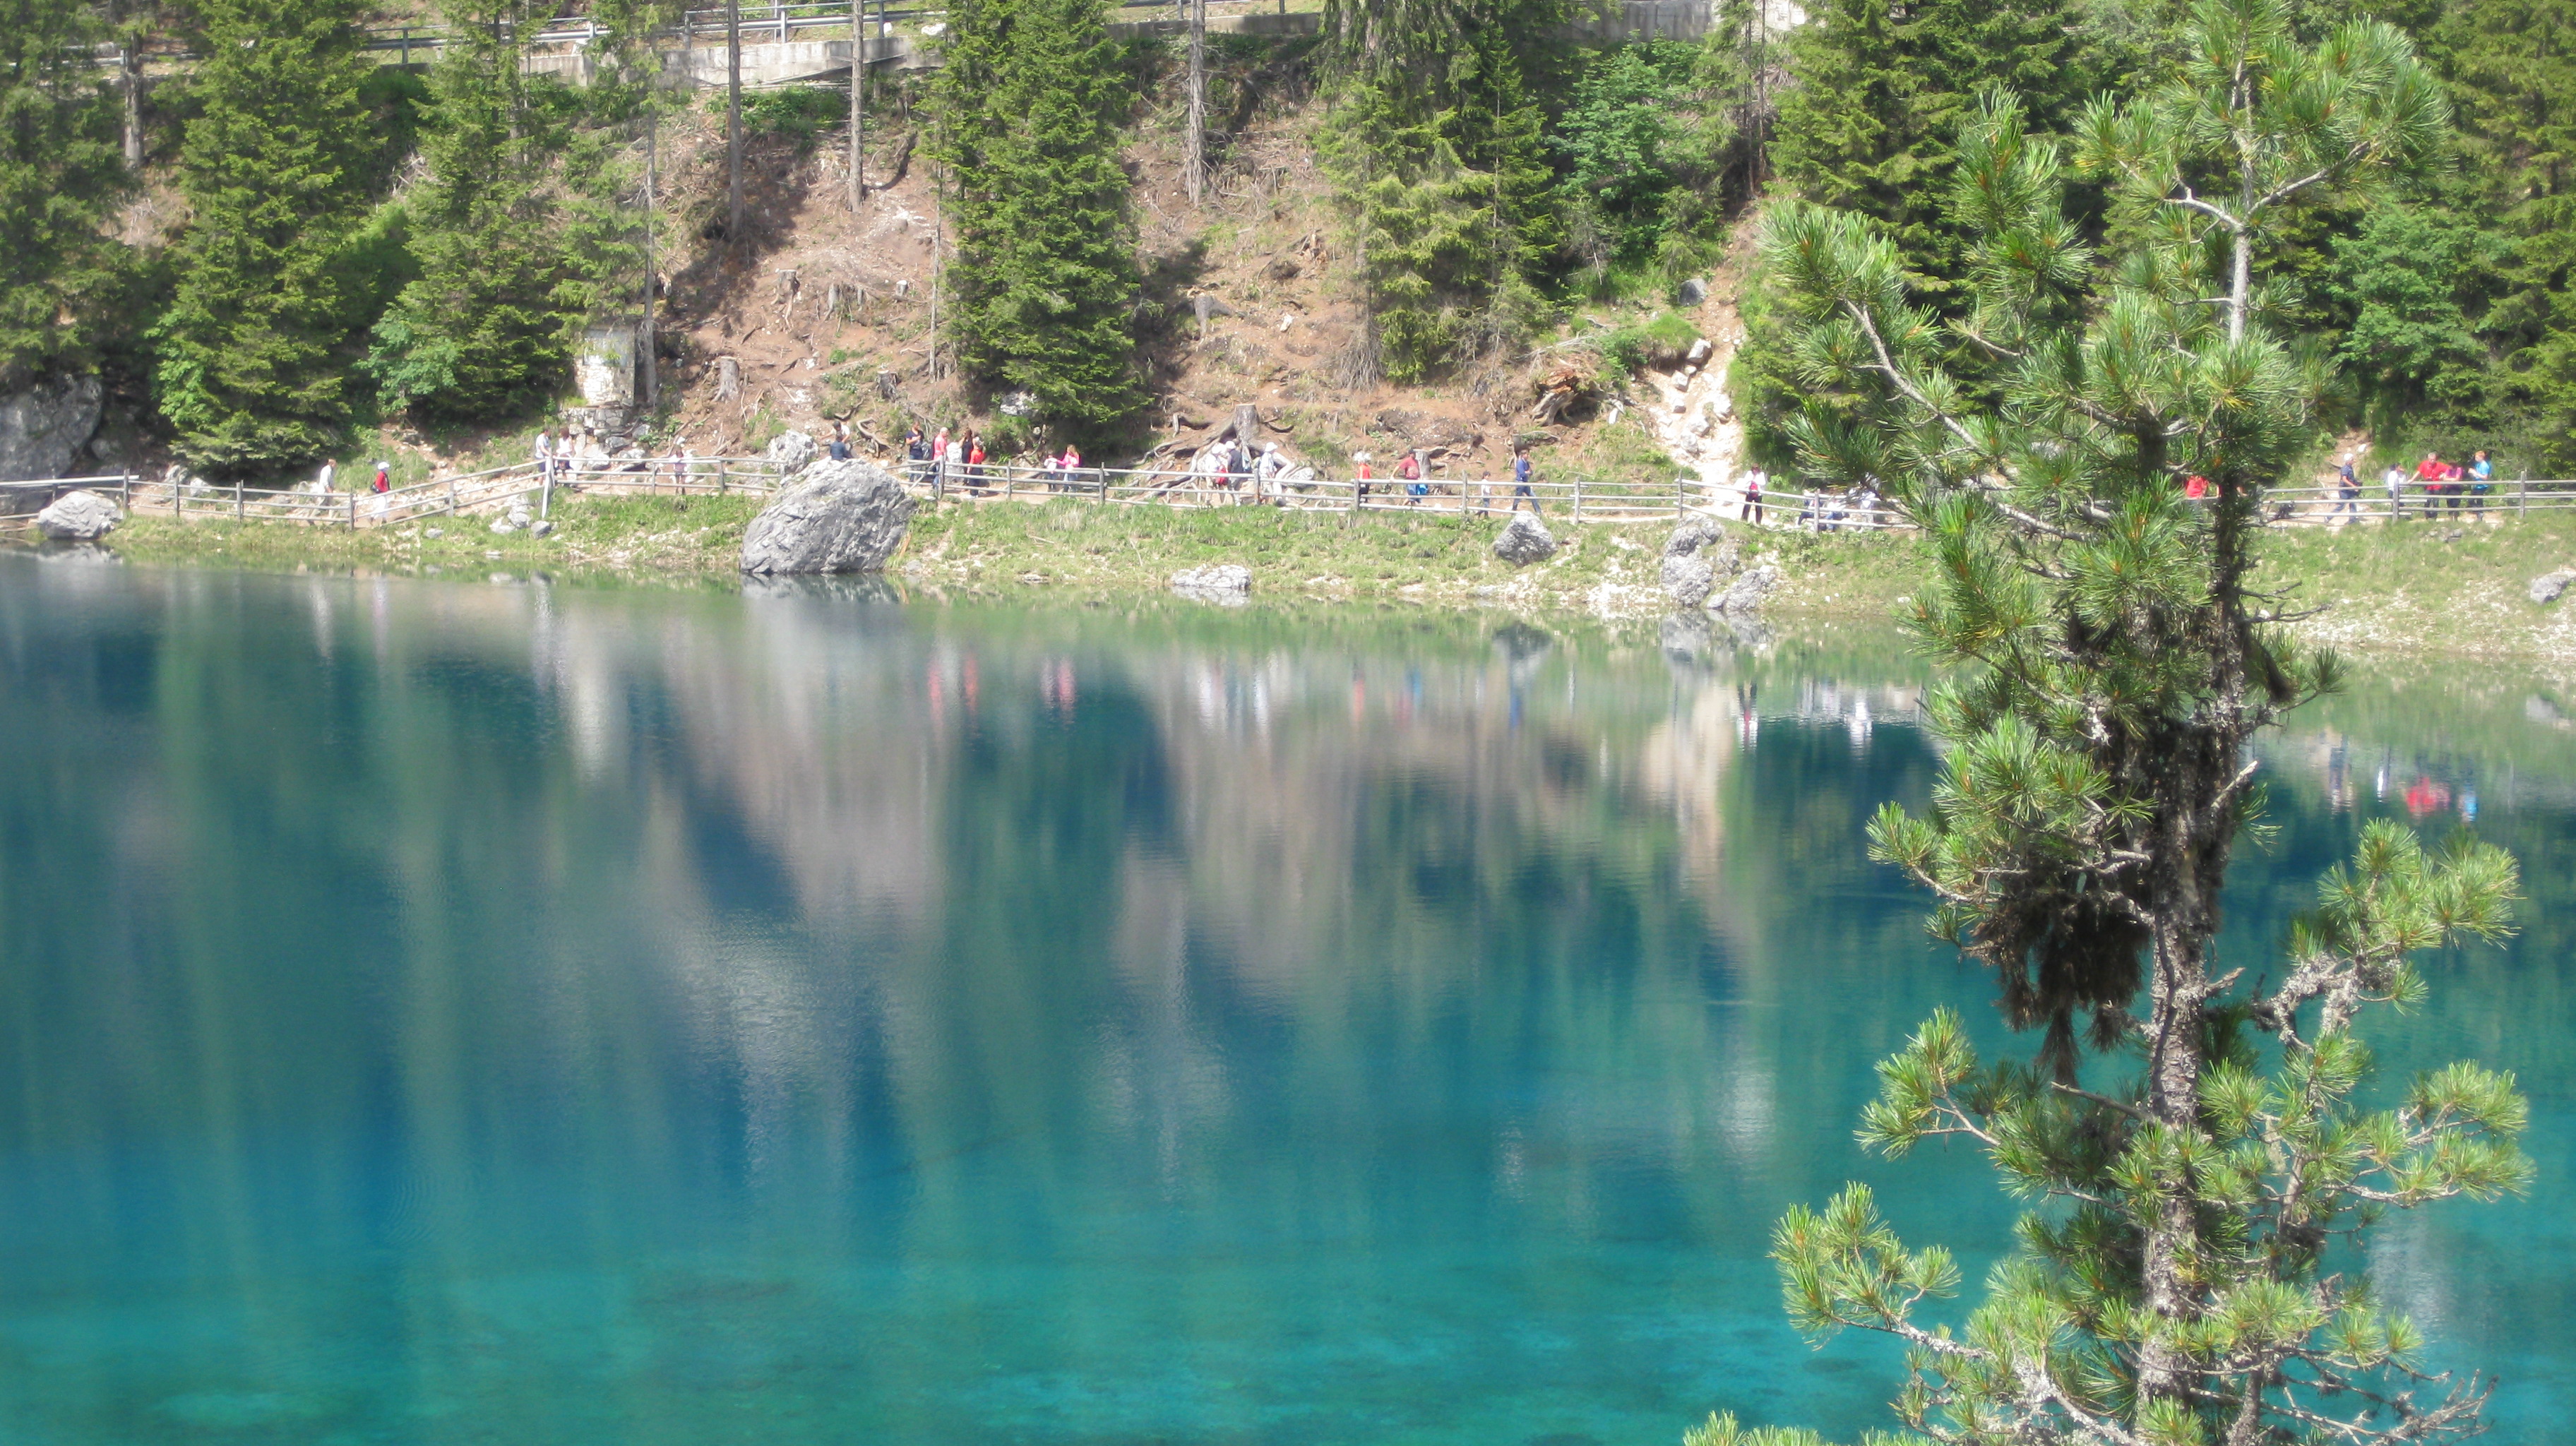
59	174
2174	1287
256	348
1045	282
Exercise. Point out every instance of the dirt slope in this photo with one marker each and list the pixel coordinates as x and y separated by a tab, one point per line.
828	314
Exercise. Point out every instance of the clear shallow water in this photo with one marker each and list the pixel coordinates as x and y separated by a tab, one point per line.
498	1013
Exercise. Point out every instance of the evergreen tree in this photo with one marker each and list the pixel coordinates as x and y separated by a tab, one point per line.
1881	90
2414	282
60	173
2115	656
1437	144
1643	141
477	333
2512	70
606	217
256	348
1045	284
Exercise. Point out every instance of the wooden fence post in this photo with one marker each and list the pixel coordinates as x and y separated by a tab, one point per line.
353	511
724	479
125	486
2521	496
451	494
1681	498
1578	501
237	499
1010	482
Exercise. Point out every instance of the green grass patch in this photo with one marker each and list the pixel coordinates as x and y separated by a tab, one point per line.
684	538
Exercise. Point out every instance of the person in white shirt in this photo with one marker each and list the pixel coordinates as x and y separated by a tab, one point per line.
1265	473
2394	479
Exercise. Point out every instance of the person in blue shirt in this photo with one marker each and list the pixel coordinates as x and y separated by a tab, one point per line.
1521	480
2481	479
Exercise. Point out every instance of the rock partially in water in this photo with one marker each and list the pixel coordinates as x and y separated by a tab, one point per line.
837	517
1525	541
81	516
1747	592
1699	559
44	427
1227	582
1687	579
2546	587
541	528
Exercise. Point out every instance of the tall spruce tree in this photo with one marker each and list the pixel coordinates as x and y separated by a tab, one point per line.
1044	287
2512	68
1880	93
258	343
60	173
606	203
2116	653
478	331
1436	141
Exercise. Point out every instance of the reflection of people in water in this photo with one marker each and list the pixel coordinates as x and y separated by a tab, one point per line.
2426	796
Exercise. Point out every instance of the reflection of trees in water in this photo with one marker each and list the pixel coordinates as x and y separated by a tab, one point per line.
904	885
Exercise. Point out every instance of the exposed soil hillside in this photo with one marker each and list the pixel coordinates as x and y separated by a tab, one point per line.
1250	299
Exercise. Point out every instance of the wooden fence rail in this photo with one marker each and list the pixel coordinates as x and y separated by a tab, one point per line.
1577	500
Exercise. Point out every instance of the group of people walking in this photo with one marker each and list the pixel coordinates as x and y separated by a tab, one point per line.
2454	486
961	459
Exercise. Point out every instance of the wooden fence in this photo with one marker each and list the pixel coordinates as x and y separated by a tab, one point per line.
1578	500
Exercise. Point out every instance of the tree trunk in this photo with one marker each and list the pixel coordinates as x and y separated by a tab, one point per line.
129	66
858	103
733	120
938	258
2194	778
1194	154
652	281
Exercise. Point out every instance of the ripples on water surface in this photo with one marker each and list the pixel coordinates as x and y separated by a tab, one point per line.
460	1013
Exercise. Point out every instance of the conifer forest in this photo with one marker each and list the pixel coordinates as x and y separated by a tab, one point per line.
267	233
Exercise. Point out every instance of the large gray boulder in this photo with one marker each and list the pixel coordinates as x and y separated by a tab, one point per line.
1525	541
45	426
836	517
2546	587
78	517
792	451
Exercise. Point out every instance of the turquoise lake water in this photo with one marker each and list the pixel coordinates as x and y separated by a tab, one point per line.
499	1012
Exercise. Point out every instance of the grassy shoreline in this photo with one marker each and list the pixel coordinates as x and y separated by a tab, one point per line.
2453	587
